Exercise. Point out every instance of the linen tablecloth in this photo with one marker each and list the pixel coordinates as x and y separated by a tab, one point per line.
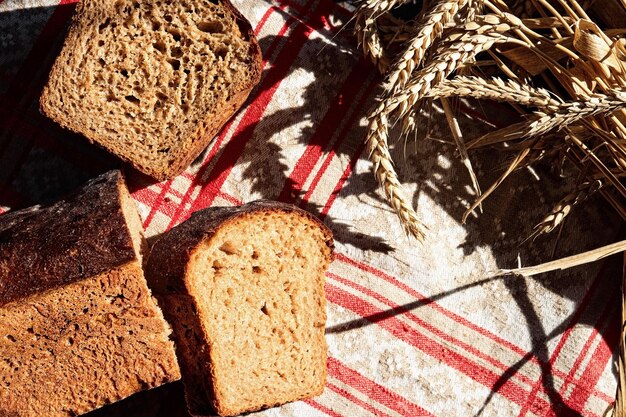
413	329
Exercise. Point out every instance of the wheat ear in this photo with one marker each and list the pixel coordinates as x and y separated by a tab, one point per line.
368	36
563	208
378	147
570	112
495	89
430	28
555	117
465	43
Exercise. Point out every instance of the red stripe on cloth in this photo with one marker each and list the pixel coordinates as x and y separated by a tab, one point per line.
432	329
373	390
599	358
343	135
355	400
264	20
421	297
570	379
315	404
344	177
235	147
557	350
339	108
232	200
440	352
156	204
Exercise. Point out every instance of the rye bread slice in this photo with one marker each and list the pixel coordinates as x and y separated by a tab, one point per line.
244	290
153	81
79	327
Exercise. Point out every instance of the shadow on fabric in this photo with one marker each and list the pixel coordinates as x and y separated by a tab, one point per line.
39	162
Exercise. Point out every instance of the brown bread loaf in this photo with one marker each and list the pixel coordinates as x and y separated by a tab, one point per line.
153	81
244	290
78	326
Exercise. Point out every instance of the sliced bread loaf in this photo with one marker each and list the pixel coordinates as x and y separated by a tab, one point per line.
78	325
153	81
244	291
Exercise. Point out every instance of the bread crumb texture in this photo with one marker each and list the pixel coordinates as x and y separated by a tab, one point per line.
145	79
259	285
77	348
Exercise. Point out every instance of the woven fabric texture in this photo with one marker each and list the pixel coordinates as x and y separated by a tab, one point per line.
413	328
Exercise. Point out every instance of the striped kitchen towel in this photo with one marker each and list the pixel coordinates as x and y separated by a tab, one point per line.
413	329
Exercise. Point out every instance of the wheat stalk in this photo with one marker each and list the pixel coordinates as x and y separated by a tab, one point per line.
495	89
430	28
563	207
368	36
555	117
471	39
387	177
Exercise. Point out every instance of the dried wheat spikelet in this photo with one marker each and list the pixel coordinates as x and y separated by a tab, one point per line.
548	56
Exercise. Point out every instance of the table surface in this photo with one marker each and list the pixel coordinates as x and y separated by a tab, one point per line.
413	329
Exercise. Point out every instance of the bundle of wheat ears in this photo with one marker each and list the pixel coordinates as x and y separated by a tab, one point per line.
560	63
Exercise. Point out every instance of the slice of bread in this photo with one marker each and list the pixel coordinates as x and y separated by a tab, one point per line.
244	291
153	81
78	325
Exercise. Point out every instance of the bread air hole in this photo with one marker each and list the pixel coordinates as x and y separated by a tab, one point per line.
221	53
177	52
211	26
133	99
103	25
175	34
159	46
174	63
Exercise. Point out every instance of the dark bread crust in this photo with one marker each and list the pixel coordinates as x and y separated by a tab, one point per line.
206	129
42	248
170	254
166	271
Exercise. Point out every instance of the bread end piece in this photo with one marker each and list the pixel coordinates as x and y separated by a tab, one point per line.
79	327
244	290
